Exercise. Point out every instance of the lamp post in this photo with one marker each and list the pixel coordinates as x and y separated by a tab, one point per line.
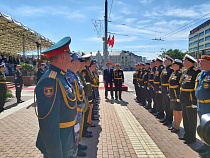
38	45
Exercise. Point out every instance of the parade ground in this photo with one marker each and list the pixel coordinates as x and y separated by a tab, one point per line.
125	130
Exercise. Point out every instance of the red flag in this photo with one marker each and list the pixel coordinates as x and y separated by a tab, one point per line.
108	41
112	41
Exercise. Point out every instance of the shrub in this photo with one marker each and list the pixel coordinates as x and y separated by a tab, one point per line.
9	95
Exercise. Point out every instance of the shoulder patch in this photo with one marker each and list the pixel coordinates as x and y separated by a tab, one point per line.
52	74
48	91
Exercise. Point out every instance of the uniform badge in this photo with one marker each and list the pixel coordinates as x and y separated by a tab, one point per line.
120	73
48	91
205	85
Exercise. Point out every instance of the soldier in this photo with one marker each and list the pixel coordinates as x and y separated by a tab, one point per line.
146	87
18	83
151	86
166	73
135	79
57	104
202	94
40	71
157	87
74	80
141	82
118	77
188	100
174	93
3	87
138	83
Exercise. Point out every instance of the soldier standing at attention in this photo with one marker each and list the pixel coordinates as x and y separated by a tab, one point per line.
3	87
166	73
202	93
118	80
135	79
142	95
74	80
157	87
18	83
188	100
174	93
146	87
151	86
57	104
138	84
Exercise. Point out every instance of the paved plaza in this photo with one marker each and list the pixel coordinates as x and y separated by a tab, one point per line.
125	129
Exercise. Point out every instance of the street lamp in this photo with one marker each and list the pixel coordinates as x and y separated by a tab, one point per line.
38	45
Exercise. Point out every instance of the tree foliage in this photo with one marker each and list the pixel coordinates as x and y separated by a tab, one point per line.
175	54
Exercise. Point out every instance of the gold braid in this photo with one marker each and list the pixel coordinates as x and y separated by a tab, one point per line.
78	93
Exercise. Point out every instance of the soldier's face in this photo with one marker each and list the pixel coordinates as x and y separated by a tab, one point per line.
146	66
87	62
82	65
175	67
205	64
152	64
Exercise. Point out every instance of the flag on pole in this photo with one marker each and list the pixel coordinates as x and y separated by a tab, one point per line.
112	41
108	41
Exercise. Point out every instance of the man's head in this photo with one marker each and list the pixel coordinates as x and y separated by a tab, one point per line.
42	65
153	63
2	67
87	58
82	63
158	62
147	66
74	64
108	65
59	53
177	64
189	61
92	65
117	66
168	60
18	67
205	63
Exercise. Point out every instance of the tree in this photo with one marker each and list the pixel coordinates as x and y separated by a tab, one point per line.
175	54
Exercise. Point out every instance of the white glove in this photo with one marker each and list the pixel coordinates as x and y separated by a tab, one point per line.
194	106
178	100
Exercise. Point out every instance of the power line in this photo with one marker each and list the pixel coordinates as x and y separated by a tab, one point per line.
110	9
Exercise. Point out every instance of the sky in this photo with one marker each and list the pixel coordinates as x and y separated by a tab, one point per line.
134	22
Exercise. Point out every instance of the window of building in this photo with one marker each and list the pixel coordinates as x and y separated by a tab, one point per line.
190	50
201	34
207	31
196	36
191	39
207	45
201	40
196	42
207	38
191	44
195	48
201	47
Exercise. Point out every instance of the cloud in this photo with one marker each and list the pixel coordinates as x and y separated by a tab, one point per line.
130	20
136	46
145	1
93	39
127	39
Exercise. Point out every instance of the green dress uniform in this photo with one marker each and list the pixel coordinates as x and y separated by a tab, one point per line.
141	83
174	90
152	90
18	84
138	86
166	73
158	93
135	81
57	105
188	103
118	80
3	90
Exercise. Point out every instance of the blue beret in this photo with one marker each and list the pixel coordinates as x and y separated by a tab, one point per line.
74	56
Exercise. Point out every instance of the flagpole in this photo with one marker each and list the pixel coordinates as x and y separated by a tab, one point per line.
105	40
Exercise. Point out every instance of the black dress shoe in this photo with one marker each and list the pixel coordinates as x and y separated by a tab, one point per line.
19	101
82	147
162	121
120	99
160	116
112	97
95	118
22	100
175	130
105	97
116	99
190	141
87	135
202	149
170	128
81	153
182	138
90	132
147	107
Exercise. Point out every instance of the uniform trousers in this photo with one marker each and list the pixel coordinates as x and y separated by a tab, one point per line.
2	97
18	92
152	94
159	101
106	88
118	88
166	105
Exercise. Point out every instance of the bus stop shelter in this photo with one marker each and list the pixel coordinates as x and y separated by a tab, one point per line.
18	38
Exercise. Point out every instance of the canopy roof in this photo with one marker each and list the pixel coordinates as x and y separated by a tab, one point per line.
16	37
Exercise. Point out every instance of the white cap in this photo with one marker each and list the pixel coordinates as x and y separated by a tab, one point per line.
190	58
177	61
168	57
159	58
86	56
117	64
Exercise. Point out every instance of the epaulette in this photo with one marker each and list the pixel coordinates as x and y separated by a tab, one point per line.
196	69
121	69
161	66
52	74
179	71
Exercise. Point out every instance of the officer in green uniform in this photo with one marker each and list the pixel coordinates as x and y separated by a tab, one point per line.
56	103
3	87
135	79
18	83
188	100
138	83
151	86
166	73
74	80
146	90
202	94
118	77
141	82
157	87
